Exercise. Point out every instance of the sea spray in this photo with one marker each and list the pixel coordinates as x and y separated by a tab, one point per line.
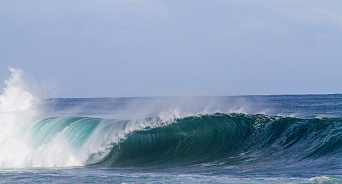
31	138
20	109
159	131
78	141
166	143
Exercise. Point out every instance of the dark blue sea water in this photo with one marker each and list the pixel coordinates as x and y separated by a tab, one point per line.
241	139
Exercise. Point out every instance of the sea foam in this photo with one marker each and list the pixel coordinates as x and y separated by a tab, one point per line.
20	109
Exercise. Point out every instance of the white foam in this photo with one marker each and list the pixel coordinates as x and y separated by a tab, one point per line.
20	108
17	110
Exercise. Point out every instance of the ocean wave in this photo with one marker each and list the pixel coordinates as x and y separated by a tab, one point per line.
193	139
173	137
212	137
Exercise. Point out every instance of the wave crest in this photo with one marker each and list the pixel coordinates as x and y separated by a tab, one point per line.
228	137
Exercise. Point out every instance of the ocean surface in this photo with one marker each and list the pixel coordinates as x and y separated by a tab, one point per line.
239	139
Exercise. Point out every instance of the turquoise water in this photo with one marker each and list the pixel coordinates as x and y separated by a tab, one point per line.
243	139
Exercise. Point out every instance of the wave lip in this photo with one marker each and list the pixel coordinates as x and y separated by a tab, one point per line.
188	140
214	139
218	139
229	139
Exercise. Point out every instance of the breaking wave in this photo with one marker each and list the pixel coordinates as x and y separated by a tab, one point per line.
30	139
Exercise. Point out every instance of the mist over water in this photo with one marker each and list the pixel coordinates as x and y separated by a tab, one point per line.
20	109
38	132
220	137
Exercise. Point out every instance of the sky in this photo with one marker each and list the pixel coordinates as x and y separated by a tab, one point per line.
133	48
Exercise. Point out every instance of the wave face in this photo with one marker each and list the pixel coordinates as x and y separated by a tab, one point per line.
228	138
75	132
218	140
186	141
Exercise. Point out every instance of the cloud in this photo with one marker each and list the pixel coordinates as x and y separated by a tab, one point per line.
149	47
